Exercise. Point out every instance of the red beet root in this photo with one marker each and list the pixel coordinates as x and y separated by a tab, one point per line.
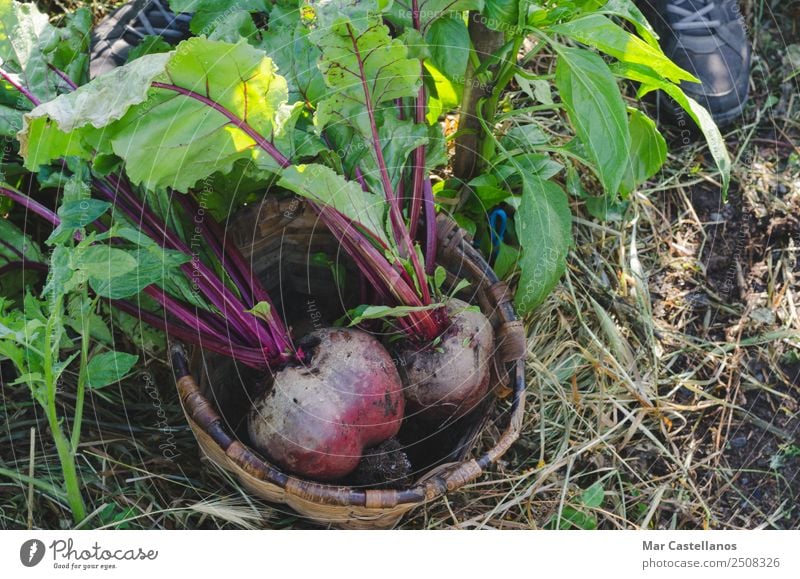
449	379
317	419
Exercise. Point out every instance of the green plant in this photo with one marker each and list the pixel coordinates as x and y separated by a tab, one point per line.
578	514
514	161
50	339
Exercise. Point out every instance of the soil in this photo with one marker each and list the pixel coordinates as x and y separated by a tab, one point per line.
757	476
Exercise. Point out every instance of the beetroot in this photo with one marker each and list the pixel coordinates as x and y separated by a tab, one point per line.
448	379
316	419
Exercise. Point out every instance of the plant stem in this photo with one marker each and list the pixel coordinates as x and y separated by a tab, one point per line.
66	456
17	86
467	162
80	393
30	204
396	217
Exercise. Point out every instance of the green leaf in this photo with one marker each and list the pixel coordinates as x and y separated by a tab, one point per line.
261	310
648	151
602	33
29	43
82	317
501	13
323	185
109	368
167	139
153	265
650	81
14	243
76	215
628	10
289	45
544	227
151	44
449	45
573	518
210	15
362	313
10	121
597	112
361	63
538	89
103	262
439	276
53	129
593	496
506	261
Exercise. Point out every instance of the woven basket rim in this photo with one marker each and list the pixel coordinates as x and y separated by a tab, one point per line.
509	356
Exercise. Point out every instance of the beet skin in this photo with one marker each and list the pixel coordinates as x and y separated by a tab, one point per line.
448	379
317	419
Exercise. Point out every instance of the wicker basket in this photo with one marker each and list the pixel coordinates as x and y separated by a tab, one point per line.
282	235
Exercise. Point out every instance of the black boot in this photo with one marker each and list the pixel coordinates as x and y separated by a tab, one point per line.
124	28
708	39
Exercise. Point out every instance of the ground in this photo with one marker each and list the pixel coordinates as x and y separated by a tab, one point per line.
663	372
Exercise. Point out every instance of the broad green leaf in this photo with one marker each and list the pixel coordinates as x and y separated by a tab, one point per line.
234	27
29	44
544	228
289	45
506	261
449	45
53	129
10	121
109	368
153	266
21	25
573	518
103	262
362	64
602	33
430	11
82	317
501	13
650	81
151	44
167	138
326	187
648	151
76	215
597	112
538	90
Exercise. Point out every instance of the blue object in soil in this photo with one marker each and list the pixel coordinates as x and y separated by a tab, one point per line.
498	221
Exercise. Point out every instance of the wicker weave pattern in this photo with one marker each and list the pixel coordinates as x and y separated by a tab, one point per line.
340	505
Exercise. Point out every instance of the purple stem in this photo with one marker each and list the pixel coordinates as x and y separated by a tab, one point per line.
216	291
22	264
12	249
31	205
422	192
216	239
63	76
252	357
430	228
29	95
400	231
